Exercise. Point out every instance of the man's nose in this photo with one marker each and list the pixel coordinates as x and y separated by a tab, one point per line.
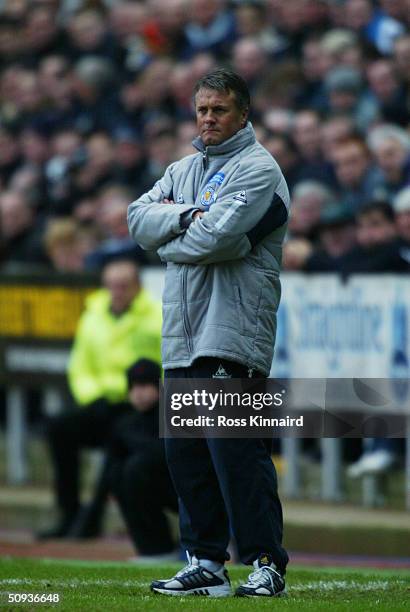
210	117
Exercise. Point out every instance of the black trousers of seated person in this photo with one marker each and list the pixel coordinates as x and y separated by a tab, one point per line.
225	485
141	484
67	434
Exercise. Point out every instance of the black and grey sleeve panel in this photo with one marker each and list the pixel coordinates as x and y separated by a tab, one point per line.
275	216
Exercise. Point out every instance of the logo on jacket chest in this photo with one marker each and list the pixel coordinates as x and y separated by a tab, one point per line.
208	196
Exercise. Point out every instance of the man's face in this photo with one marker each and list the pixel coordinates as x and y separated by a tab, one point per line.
374	228
337	240
351	163
306	133
391	157
143	396
121	280
403	224
218	116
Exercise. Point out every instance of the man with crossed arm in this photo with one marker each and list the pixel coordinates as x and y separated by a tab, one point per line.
218	219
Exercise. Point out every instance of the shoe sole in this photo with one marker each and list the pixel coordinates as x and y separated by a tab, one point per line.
206	592
280	594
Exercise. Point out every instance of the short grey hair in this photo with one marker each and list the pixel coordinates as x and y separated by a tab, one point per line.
401	202
387	131
95	71
309	188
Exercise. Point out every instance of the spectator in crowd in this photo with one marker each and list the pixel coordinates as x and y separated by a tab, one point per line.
130	162
283	149
377	247
279	121
161	147
137	470
111	220
390	146
164	29
402	59
313	68
346	94
250	60
306	134
127	20
309	199
29	100
10	155
96	105
42	33
210	28
20	235
252	19
377	27
121	323
402	214
340	47
67	244
333	132
389	93
88	35
358	179
57	85
336	237
67	154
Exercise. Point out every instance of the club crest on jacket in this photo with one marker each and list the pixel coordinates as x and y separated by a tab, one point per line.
209	194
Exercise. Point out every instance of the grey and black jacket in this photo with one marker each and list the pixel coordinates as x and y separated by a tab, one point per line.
222	287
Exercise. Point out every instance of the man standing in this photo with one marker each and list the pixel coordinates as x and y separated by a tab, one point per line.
221	240
120	324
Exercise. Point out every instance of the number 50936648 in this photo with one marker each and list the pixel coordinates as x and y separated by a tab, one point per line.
33	597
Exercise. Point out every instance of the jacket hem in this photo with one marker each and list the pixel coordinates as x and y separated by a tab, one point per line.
237	358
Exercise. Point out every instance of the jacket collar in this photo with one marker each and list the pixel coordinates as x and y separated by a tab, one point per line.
234	144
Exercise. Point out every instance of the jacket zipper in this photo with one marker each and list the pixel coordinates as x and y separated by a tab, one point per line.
185	321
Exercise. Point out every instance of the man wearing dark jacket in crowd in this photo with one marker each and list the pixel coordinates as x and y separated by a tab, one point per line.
138	472
378	247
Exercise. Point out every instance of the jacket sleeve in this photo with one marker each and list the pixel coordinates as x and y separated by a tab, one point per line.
82	378
253	204
151	222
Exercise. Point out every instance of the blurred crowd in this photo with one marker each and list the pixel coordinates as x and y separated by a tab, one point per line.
96	102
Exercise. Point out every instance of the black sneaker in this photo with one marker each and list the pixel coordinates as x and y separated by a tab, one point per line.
264	581
194	579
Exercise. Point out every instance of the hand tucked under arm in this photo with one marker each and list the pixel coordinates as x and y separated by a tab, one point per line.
184	249
154	218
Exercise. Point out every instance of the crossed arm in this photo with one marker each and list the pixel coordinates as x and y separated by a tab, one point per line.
228	231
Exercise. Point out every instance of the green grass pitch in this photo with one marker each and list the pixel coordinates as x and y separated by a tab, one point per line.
119	586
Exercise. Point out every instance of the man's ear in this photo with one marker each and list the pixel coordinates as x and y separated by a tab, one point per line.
245	114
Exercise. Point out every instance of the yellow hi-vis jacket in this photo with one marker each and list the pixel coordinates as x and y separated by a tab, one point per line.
106	345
